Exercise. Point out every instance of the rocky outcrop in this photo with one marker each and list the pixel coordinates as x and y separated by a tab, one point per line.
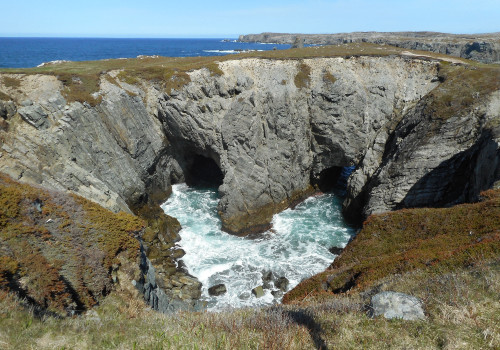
397	305
273	139
480	47
269	129
431	161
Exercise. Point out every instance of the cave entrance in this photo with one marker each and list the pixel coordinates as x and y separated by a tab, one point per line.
334	179
203	172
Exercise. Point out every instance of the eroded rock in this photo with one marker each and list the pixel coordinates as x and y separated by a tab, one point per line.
258	292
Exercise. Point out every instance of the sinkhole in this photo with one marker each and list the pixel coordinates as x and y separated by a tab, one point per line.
297	247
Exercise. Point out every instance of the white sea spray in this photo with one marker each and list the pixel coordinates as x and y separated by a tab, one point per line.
296	247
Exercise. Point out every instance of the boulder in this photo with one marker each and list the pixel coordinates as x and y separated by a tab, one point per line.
267	276
217	290
258	291
282	283
277	293
336	250
267	285
397	305
244	296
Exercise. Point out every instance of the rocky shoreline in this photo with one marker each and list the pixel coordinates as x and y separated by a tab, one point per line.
480	47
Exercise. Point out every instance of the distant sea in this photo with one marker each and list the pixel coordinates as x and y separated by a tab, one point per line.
31	52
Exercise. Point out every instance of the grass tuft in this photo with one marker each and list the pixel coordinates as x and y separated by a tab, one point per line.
328	77
303	77
10	82
80	88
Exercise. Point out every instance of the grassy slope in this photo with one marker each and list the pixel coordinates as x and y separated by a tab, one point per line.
461	307
58	250
411	239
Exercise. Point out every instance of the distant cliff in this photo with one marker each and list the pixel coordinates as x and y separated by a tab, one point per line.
480	47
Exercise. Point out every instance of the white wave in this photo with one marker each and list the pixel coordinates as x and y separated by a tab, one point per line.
230	51
296	247
222	51
44	64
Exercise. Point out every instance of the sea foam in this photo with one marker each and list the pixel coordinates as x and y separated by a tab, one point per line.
296	247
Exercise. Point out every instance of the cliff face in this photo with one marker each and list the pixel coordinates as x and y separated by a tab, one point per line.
480	47
272	127
104	153
420	132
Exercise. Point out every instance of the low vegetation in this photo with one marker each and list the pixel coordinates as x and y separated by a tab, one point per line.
328	77
81	79
441	239
303	77
52	244
4	97
58	250
461	308
461	87
11	82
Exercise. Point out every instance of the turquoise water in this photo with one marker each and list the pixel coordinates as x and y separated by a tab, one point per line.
296	247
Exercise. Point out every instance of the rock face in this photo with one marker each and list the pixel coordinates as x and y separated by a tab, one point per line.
267	130
397	305
258	292
480	47
273	139
270	128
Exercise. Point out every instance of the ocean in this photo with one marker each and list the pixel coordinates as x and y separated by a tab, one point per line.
31	52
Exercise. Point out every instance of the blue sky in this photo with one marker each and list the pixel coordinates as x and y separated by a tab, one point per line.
155	18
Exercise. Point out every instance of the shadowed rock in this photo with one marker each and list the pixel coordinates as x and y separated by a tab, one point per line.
217	290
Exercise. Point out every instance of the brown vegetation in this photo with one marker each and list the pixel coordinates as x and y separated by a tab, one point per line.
81	79
411	239
303	77
461	87
58	249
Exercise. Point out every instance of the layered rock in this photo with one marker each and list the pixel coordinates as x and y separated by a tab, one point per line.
273	136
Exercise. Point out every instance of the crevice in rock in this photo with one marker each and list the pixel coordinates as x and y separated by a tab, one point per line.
327	179
333	179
